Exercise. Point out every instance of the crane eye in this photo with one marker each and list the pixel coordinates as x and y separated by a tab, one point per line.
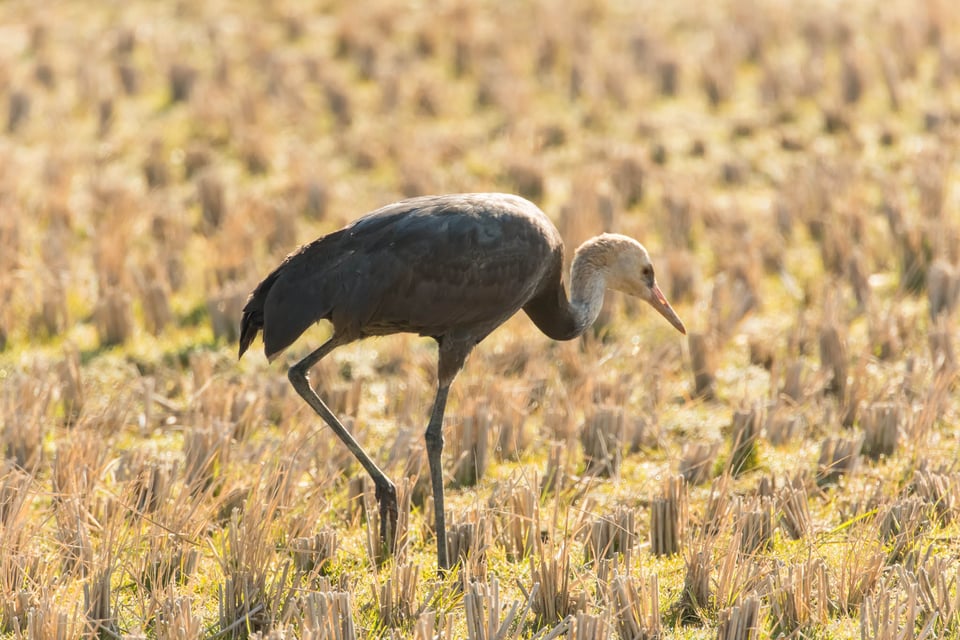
648	272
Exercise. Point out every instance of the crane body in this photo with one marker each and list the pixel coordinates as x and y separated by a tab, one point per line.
452	267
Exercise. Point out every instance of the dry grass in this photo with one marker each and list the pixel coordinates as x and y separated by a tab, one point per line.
791	167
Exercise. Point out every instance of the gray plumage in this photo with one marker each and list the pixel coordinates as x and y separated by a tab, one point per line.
433	265
452	267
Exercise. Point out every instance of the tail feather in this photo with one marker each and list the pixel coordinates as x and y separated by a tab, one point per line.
295	295
251	323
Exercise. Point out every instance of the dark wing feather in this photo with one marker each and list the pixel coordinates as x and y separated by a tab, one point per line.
462	264
292	297
436	265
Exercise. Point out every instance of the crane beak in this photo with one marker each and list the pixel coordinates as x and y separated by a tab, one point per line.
659	302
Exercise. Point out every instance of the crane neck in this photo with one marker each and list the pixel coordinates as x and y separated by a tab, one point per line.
564	318
588	283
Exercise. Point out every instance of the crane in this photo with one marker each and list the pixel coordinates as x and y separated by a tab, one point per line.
451	267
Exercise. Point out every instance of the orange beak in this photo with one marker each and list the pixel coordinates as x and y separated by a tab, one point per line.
659	302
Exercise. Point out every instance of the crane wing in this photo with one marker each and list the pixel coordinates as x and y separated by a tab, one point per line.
431	265
446	266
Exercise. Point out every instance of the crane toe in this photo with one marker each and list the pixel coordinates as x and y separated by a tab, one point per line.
387	500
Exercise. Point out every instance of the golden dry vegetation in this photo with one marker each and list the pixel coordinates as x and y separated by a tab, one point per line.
790	470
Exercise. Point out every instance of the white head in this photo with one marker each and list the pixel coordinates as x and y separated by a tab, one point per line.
626	266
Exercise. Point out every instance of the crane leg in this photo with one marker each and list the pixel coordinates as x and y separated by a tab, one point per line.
434	441
452	356
386	492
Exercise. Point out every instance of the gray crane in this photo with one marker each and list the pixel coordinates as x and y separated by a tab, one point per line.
452	267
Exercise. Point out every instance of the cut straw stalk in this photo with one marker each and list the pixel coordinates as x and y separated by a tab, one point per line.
328	614
881	424
486	618
838	457
741	621
611	535
668	517
469	442
833	359
316	552
398	595
799	596
467	544
745	433
636	603
754	521
795	518
697	462
703	366
603	438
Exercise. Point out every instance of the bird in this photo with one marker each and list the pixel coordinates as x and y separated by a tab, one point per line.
452	267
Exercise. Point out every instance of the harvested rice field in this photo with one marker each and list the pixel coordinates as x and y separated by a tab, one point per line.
787	469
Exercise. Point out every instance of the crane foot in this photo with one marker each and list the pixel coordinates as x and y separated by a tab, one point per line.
387	500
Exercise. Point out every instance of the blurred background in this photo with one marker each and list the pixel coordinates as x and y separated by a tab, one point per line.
159	157
792	166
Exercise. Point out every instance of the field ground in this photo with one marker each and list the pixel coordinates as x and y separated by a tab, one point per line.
789	471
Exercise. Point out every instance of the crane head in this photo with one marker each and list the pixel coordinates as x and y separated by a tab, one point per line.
631	271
